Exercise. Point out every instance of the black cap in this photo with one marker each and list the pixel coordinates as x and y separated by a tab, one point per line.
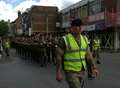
76	22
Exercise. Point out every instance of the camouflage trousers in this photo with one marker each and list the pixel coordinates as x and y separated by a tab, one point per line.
96	54
75	80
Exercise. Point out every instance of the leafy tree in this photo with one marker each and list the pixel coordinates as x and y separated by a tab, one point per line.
3	28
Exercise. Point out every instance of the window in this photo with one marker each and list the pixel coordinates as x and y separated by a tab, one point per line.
83	11
72	13
77	13
92	8
96	6
65	16
102	5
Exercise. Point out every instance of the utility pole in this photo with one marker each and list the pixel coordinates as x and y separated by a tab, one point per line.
47	25
115	31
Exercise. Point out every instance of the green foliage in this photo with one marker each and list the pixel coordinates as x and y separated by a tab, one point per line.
3	28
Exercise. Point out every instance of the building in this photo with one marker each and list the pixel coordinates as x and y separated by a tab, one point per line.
37	19
17	26
99	18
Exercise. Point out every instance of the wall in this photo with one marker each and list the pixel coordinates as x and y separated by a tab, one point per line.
43	19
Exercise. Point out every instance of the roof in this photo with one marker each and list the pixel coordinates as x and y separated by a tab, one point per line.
76	5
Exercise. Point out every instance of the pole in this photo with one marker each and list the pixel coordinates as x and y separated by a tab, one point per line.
47	24
115	34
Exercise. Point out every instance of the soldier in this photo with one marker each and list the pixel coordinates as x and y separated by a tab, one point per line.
48	48
1	47
54	46
6	44
71	53
96	49
43	59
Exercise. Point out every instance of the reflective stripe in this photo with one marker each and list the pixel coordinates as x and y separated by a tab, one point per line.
78	50
74	60
69	46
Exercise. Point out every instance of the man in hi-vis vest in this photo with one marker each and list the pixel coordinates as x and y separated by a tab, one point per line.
71	55
7	46
96	49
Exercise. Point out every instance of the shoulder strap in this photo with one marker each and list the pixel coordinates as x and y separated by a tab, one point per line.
86	39
68	41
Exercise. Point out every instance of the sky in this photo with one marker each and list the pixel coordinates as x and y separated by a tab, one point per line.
9	8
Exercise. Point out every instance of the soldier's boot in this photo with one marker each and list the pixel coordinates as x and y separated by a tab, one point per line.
90	76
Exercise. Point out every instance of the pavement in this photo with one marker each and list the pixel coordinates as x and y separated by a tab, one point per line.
18	73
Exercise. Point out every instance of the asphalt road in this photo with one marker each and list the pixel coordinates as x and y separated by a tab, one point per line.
18	73
109	72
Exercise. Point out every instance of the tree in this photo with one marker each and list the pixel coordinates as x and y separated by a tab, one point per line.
3	28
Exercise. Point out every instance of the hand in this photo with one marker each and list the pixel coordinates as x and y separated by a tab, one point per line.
59	75
95	72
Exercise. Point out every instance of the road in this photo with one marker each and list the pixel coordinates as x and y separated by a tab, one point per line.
18	73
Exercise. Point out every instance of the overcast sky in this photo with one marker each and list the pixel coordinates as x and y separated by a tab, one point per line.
9	8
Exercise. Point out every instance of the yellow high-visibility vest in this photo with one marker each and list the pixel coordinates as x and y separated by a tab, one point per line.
96	44
7	44
74	56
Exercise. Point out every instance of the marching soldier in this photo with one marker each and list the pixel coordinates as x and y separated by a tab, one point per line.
7	46
96	49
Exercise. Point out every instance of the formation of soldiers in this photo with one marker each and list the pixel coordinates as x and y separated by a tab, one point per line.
39	47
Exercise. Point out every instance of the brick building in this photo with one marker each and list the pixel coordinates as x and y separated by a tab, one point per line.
37	19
